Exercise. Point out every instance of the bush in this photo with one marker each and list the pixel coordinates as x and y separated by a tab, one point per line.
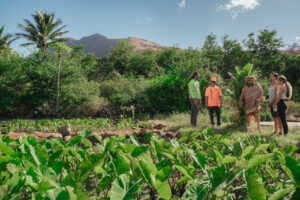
167	94
293	108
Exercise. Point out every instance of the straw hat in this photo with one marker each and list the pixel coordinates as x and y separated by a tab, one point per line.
249	77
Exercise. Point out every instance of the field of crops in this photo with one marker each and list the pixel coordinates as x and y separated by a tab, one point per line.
51	125
195	166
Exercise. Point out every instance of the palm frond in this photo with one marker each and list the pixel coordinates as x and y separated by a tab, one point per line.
27	44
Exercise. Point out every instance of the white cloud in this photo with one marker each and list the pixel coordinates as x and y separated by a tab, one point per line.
182	4
148	19
239	6
297	38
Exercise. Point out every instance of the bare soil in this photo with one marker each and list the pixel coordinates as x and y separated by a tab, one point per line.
159	129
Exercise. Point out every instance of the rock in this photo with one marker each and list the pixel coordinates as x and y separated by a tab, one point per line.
67	138
65	130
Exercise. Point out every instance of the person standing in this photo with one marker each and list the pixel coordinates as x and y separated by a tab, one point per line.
195	97
252	94
283	91
213	101
274	113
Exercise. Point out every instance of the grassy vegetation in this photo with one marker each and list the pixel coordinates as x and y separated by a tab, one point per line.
181	122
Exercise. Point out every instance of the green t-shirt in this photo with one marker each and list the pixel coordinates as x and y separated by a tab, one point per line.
194	89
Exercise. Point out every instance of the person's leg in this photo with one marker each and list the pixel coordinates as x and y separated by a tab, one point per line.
276	124
218	113
192	112
211	115
280	125
256	115
196	113
248	121
282	115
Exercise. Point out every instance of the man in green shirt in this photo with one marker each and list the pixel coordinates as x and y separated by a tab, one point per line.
195	97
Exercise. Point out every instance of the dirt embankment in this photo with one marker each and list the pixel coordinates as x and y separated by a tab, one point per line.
159	129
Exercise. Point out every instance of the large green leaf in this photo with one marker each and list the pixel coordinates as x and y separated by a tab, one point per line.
148	169
185	171
296	194
289	149
74	140
163	190
56	194
164	173
42	154
229	159
6	149
262	147
218	181
281	193
195	190
45	186
80	191
257	160
122	164
122	189
139	150
33	154
247	150
4	191
255	185
294	166
4	159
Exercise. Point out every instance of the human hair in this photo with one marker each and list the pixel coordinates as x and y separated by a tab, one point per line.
275	74
289	88
194	74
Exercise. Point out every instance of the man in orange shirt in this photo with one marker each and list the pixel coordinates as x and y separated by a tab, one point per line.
213	101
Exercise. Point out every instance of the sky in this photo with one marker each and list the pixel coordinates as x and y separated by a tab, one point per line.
183	23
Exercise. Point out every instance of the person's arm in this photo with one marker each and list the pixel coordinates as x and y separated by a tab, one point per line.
220	101
206	97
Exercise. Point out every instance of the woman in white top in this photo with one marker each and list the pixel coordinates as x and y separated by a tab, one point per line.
273	78
283	91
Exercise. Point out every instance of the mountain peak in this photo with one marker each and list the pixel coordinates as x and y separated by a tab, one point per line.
99	45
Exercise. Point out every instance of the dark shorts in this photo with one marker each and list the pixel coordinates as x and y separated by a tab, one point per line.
274	114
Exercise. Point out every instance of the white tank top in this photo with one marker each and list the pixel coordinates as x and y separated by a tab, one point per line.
272	92
283	96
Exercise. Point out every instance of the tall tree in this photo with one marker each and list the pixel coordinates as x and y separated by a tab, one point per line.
264	51
5	40
212	52
43	31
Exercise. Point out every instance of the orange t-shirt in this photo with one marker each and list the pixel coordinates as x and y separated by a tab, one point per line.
213	94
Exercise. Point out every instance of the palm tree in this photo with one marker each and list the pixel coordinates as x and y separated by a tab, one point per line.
44	31
5	39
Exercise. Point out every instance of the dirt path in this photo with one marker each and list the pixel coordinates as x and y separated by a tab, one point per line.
290	124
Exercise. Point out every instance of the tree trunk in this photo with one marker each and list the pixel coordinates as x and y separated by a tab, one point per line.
58	83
